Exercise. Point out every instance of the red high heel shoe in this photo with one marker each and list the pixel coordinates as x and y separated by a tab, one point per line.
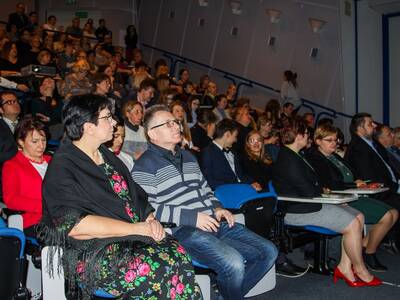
375	281
337	274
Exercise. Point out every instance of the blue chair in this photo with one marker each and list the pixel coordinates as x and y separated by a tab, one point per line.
12	249
320	238
243	198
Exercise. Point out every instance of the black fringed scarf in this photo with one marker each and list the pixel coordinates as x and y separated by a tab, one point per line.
74	187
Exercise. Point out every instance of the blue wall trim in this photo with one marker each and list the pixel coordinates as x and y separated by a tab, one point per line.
355	5
386	66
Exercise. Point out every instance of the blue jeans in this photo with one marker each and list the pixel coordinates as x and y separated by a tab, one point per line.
238	256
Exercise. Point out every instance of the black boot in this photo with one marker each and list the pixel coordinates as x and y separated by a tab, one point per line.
372	262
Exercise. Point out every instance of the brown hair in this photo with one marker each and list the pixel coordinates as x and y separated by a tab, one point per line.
129	105
323	131
289	133
29	124
262	157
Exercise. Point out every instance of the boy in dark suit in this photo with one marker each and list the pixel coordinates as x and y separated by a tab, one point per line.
219	164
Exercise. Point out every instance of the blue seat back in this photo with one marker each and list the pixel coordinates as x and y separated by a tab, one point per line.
12	232
237	194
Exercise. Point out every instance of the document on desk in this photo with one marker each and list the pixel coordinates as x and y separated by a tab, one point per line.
325	198
362	191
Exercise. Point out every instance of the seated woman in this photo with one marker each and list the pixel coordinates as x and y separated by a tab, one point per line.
77	82
22	175
115	145
255	162
135	139
333	173
9	62
101	218
294	176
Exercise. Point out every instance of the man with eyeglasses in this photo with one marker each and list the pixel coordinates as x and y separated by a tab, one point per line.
370	162
181	196
9	111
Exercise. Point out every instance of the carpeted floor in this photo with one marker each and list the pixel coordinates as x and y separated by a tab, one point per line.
313	286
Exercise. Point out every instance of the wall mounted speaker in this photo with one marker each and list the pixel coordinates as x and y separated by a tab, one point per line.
234	31
271	41
314	52
171	15
201	22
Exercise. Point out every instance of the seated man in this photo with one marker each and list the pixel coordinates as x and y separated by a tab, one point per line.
179	193
203	131
384	135
9	112
369	161
219	163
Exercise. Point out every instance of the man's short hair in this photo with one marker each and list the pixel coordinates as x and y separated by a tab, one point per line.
146	84
206	116
379	130
3	93
357	121
150	113
223	126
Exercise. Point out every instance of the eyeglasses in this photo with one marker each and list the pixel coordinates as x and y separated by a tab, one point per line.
254	141
330	140
169	123
109	118
9	102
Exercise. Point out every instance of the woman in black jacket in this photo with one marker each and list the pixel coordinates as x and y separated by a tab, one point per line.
333	173
101	218
293	176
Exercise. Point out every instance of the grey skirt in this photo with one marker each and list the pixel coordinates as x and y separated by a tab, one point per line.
331	216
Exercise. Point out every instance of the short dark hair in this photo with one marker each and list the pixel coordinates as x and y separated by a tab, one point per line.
29	124
357	121
325	121
51	17
146	84
223	126
80	110
98	78
3	93
287	104
150	113
289	133
379	130
206	116
219	97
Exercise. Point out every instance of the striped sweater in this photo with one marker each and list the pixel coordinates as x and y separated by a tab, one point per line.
176	195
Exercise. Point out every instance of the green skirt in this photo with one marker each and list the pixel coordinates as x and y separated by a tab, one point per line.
372	209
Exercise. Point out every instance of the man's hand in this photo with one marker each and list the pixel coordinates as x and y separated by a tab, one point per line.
206	222
23	88
223	213
256	186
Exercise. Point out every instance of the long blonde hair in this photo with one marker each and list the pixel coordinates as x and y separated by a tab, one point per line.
251	155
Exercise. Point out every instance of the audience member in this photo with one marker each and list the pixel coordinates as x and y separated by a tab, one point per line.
219	164
183	76
9	62
395	148
115	145
206	230
23	174
9	111
178	111
131	39
76	82
102	31
220	109
273	112
135	140
243	119
208	99
384	135
18	19
293	176
193	104
334	173
203	131
231	94
256	163
91	202
74	30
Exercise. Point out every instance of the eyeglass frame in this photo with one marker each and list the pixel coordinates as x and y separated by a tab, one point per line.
330	140
9	102
109	117
174	121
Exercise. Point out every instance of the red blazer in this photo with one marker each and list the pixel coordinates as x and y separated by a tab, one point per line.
22	188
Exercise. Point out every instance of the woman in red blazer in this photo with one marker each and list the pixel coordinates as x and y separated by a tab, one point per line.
23	174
